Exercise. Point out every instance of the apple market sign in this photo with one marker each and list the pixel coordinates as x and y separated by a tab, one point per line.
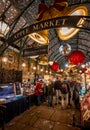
65	21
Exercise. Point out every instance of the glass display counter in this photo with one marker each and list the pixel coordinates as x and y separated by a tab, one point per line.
14	103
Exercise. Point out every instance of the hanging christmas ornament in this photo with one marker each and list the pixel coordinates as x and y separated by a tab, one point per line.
88	64
54	67
77	57
65	49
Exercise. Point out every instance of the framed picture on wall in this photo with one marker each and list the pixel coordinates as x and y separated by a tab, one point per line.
10	58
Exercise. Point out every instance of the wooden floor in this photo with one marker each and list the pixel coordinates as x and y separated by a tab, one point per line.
44	118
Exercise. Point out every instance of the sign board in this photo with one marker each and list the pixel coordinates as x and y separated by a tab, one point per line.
65	21
36	51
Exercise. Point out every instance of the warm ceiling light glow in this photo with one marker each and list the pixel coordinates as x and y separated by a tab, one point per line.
41	70
40	37
61	70
4	59
66	33
32	57
46	71
23	64
34	67
50	72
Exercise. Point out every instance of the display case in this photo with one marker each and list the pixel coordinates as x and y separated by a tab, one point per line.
6	92
15	102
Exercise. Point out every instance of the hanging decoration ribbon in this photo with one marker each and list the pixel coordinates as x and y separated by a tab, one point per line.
46	12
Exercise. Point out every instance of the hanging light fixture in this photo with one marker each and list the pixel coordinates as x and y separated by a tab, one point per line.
43	60
65	49
33	57
4	27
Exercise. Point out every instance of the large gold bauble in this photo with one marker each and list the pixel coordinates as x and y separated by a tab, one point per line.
66	33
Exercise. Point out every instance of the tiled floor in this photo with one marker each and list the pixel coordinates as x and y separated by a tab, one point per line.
44	118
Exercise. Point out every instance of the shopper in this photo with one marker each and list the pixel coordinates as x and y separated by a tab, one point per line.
38	92
50	92
76	97
57	87
64	94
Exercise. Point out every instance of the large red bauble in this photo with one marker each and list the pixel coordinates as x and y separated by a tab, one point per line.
77	57
54	66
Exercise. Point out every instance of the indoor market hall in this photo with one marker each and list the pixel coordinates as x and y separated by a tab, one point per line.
44	64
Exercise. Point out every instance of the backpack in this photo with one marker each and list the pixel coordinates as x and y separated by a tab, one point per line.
64	88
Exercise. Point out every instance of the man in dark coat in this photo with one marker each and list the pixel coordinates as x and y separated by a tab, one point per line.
57	87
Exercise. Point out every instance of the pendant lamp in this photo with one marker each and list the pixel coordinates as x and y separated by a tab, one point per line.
4	28
43	60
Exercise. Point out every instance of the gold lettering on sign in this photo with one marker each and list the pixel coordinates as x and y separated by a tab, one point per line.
27	30
51	24
35	27
46	24
41	26
63	23
57	22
